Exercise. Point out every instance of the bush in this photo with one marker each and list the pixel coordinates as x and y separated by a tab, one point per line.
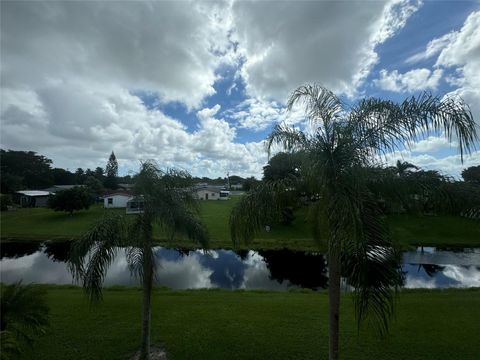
5	201
74	199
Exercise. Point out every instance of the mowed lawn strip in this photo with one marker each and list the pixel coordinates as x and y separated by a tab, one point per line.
221	324
45	224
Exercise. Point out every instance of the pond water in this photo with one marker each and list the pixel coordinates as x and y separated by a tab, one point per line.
274	270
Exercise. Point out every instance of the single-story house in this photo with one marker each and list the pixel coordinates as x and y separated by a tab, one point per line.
212	193
116	200
135	205
32	198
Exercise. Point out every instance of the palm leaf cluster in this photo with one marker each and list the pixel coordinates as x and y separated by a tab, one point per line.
24	315
169	203
339	151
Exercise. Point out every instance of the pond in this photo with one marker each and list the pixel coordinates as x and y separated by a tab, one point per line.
272	270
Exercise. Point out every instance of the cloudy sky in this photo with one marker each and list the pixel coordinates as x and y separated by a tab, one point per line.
199	85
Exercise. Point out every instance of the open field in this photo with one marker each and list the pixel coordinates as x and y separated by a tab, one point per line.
45	224
222	324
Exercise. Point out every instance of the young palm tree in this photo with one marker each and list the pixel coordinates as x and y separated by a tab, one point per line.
169	203
338	153
24	315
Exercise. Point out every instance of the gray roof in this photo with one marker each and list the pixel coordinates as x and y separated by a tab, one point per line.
212	189
34	193
55	188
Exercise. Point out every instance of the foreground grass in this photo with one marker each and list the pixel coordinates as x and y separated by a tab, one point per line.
221	324
45	224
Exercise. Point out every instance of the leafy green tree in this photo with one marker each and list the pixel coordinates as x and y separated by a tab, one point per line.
24	169
111	172
5	201
98	173
79	176
70	200
281	166
472	174
24	315
94	185
250	183
63	177
169	202
338	155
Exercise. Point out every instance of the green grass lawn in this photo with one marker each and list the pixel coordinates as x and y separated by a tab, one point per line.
222	324
445	231
45	224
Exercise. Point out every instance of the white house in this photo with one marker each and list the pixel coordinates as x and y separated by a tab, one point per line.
236	186
211	193
116	200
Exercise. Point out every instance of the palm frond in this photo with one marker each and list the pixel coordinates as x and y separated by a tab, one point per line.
320	104
371	264
289	138
385	126
259	207
134	256
93	253
182	221
24	315
9	345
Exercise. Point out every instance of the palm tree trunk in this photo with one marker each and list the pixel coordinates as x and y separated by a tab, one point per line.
147	295
333	304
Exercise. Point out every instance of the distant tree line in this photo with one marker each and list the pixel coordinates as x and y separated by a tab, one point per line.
22	170
416	190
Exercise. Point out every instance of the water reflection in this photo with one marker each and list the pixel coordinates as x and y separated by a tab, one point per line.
276	270
429	267
308	270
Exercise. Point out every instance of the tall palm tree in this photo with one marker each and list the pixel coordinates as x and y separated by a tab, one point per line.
344	144
170	203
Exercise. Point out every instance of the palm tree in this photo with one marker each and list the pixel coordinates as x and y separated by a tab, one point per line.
344	143
402	167
24	315
170	203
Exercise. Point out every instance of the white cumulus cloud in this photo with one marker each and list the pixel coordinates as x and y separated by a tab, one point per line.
286	44
413	80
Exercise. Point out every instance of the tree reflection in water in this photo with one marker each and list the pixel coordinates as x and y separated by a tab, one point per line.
57	251
307	270
18	249
431	269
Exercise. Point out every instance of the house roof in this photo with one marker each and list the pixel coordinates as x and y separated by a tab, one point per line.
118	193
212	189
33	193
55	188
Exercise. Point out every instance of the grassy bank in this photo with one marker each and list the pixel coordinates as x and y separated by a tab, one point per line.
220	324
45	224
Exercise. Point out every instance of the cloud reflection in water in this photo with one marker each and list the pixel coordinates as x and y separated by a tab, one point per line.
274	270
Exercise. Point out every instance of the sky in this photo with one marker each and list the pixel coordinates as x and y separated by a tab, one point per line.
199	85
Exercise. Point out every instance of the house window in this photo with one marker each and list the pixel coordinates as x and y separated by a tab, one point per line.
110	201
213	194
